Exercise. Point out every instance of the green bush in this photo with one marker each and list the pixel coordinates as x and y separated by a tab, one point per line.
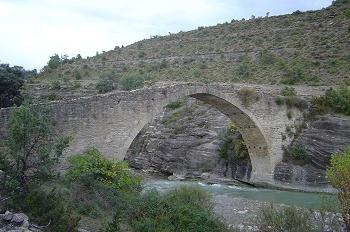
339	2
173	117
177	129
111	174
290	98
288	91
338	176
298	154
243	69
339	100
104	86
319	105
233	147
280	101
66	79
267	57
46	208
95	185
77	74
174	105
185	208
131	82
142	54
289	218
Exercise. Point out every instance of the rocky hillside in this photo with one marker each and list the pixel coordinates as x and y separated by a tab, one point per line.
310	48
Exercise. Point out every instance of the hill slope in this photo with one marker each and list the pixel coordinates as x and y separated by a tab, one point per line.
311	48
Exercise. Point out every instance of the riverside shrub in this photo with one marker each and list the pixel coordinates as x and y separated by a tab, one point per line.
185	208
338	176
101	169
46	209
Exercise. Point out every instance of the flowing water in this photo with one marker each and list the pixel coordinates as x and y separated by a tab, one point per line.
308	200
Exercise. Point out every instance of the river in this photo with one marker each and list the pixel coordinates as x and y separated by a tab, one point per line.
238	206
308	200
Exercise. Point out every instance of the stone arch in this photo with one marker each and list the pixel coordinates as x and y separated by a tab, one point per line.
247	125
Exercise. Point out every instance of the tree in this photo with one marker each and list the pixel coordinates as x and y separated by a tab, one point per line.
338	176
11	82
131	82
77	74
104	86
32	147
54	61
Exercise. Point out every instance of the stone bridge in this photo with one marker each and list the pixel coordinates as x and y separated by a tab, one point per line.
110	122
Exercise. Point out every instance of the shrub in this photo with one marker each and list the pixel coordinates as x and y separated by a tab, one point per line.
111	174
243	69
339	2
66	79
184	208
53	97
267	57
76	85
280	101
233	147
298	154
56	85
33	147
339	100
338	176
297	12
142	54
104	86
131	82
174	105
289	94
248	96
288	91
77	74
319	105
173	117
109	75
46	208
289	218
177	129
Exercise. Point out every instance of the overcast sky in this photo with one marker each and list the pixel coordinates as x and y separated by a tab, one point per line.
34	30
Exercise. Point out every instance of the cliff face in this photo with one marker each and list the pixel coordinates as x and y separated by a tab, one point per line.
322	138
186	146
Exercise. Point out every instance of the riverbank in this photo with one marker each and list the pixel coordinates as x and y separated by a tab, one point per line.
239	206
238	212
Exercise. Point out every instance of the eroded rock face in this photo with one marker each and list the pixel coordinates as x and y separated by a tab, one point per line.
322	138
